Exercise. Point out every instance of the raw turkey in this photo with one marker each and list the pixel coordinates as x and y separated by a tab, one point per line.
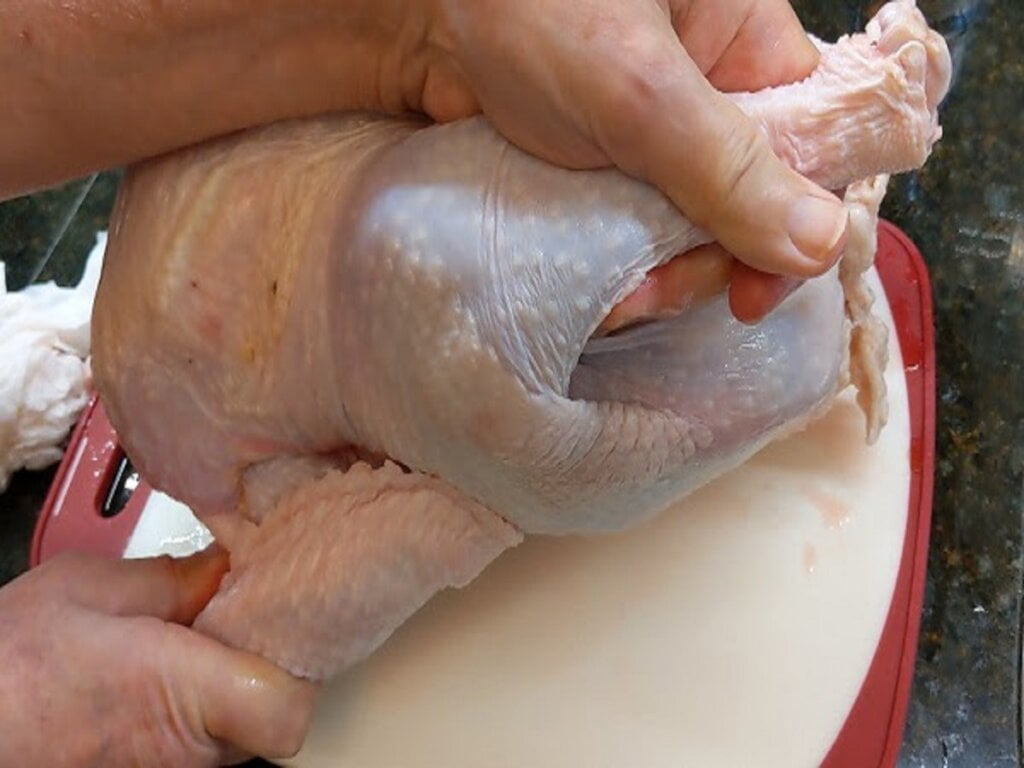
362	348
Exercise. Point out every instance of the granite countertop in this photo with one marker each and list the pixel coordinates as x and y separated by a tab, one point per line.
966	213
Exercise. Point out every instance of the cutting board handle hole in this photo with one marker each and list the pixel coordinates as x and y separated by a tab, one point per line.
123	482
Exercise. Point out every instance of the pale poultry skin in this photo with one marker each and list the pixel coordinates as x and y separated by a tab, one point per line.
288	314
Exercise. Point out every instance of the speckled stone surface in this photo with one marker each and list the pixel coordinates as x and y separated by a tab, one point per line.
45	237
966	213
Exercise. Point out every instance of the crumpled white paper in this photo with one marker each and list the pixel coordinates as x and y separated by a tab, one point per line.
44	368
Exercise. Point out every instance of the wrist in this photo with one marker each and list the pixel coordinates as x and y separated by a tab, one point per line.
367	54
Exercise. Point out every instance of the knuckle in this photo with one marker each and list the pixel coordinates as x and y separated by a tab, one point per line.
169	715
738	162
634	100
68	561
67	569
638	87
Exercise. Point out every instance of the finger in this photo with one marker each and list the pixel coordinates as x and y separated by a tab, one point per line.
447	95
753	294
769	48
658	118
706	29
744	45
236	698
673	287
230	755
167	588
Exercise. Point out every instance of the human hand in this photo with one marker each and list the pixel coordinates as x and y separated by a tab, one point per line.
637	84
98	669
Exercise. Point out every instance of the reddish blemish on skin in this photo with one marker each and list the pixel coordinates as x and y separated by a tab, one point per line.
25	35
834	513
211	325
810	558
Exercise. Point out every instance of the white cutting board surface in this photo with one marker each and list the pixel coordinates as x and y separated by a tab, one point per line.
733	631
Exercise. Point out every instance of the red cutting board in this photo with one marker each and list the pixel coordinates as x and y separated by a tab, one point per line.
94	466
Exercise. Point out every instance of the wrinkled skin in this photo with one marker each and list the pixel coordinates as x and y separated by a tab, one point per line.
278	301
98	670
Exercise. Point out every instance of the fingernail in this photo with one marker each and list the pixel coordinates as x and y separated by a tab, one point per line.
775	291
213	552
783	289
210	562
816	226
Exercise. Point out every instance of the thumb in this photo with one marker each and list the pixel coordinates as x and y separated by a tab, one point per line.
658	118
164	587
237	699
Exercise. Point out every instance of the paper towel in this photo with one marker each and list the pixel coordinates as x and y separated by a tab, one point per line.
44	368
